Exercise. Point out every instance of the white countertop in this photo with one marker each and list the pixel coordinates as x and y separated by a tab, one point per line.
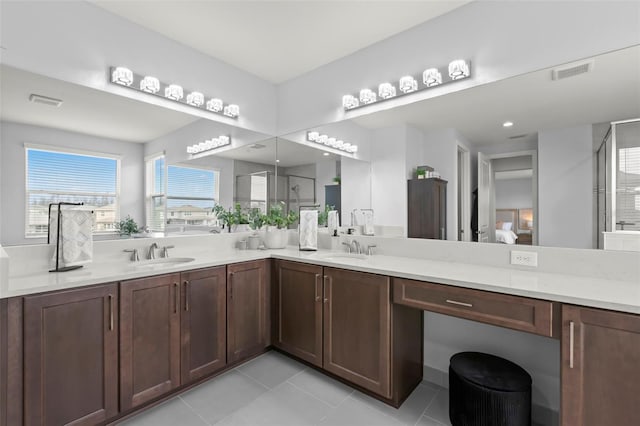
616	295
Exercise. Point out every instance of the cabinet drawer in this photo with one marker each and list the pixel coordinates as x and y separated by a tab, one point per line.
519	313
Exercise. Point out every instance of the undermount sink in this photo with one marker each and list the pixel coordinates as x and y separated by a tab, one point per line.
161	262
342	256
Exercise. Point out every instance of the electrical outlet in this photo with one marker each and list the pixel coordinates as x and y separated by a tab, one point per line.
526	258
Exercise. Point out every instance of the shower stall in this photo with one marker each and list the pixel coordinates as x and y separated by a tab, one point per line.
617	189
262	189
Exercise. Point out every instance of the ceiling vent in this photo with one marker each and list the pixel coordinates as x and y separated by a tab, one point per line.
39	99
571	70
518	136
258	146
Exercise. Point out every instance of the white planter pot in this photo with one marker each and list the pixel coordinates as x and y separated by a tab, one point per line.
275	238
240	228
253	242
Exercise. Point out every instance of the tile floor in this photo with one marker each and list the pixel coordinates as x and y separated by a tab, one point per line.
276	390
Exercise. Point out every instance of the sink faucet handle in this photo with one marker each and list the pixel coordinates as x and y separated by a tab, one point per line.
134	254
344	243
165	251
370	249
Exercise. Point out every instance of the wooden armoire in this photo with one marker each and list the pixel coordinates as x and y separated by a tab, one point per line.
427	208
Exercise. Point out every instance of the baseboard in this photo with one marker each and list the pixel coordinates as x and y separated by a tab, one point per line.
540	415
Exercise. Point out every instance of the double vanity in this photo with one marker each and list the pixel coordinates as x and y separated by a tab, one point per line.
95	345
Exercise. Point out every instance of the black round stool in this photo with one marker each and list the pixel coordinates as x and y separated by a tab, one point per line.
486	390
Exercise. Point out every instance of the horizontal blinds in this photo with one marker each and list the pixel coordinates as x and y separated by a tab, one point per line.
628	176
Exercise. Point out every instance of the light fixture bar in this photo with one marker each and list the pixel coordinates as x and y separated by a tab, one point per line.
429	78
331	142
209	145
152	86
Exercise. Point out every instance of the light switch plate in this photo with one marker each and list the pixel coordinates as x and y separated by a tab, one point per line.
525	258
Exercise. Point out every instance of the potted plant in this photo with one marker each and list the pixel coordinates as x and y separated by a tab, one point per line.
127	226
337	180
231	218
421	173
277	223
239	219
323	216
256	221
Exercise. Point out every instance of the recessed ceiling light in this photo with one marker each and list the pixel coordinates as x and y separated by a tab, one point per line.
40	99
326	154
507	124
277	161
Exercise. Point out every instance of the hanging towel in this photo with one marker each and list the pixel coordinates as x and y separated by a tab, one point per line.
332	221
308	230
368	222
76	237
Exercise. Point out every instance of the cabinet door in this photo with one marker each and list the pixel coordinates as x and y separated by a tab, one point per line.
71	356
298	310
600	367
247	309
357	331
149	338
203	322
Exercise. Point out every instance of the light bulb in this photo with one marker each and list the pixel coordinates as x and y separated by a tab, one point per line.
431	77
150	84
174	92
122	75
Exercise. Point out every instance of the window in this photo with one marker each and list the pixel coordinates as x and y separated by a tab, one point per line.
191	193
54	175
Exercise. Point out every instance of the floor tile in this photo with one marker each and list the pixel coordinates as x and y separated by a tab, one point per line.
412	408
271	369
428	421
221	396
439	408
170	413
354	413
285	405
321	386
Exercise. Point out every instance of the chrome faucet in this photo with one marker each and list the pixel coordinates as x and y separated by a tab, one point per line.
355	246
134	254
344	243
151	254
164	252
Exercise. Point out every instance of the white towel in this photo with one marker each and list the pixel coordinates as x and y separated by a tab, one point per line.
368	222
308	230
332	221
76	236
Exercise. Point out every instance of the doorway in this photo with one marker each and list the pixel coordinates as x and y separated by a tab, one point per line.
464	194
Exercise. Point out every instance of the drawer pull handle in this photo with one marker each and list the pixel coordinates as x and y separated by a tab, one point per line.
317	282
110	312
175	297
571	335
187	295
455	302
324	290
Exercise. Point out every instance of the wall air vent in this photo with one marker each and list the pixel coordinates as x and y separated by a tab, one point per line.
571	70
517	136
39	99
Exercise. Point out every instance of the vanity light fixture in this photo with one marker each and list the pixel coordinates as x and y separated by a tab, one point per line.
122	76
507	124
431	77
331	142
209	144
386	90
151	85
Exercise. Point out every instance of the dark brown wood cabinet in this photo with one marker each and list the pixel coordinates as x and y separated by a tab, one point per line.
298	306
203	323
71	356
427	208
149	338
247	310
600	367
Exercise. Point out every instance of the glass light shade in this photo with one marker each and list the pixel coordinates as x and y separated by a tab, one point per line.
224	140
214	105
190	150
332	142
173	91
208	144
347	147
150	84
340	145
408	84
232	110
349	101
458	69
367	96
313	136
354	149
386	90
431	77
195	98
323	139
122	75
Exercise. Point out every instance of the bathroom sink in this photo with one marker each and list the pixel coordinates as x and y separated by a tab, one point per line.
164	262
342	257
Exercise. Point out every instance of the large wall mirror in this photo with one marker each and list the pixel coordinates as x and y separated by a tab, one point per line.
530	151
121	157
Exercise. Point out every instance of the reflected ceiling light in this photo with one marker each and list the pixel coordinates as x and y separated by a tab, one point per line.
408	84
195	98
232	110
313	136
122	76
331	142
431	77
326	154
209	144
458	69
215	105
150	84
322	139
367	96
386	90
507	124
173	92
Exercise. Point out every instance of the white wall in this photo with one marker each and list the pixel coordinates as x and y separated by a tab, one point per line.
355	189
565	177
325	172
514	193
13	138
